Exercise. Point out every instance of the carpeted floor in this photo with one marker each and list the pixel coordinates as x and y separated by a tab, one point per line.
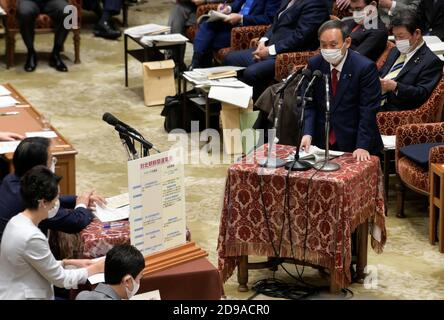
409	268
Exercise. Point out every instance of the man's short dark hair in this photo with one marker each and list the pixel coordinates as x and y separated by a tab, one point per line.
333	24
38	183
30	152
122	260
406	18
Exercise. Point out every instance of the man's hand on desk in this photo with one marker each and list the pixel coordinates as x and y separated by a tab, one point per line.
361	155
10	136
305	142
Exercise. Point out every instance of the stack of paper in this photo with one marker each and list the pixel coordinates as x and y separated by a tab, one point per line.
4	91
117	208
147	29
389	141
163	39
6	100
205	77
236	96
8	146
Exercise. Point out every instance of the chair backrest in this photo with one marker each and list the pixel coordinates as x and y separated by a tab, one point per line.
339	13
383	57
286	62
429	111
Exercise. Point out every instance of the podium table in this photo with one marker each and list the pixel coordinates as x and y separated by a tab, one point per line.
314	227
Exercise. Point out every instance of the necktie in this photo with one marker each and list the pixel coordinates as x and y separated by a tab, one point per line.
246	7
356	28
393	73
396	68
334	85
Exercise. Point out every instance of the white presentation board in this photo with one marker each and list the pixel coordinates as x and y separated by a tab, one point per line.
157	201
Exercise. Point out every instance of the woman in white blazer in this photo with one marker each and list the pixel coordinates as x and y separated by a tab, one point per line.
28	269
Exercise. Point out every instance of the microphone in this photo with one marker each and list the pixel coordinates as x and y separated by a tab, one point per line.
111	120
316	74
306	74
124	130
287	81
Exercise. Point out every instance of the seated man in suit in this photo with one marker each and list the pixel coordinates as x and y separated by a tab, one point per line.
124	266
389	8
294	29
73	214
105	28
367	32
212	36
432	17
355	97
412	70
27	12
183	15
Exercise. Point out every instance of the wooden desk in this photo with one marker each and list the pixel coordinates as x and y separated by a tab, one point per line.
28	120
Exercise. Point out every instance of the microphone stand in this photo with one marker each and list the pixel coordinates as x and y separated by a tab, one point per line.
296	164
145	144
327	165
127	145
272	162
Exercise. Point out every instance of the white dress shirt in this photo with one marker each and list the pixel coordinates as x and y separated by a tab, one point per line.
28	269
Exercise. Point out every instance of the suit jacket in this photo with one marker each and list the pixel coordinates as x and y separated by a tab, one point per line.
368	42
296	29
432	17
261	11
400	5
67	219
353	109
416	81
27	267
101	292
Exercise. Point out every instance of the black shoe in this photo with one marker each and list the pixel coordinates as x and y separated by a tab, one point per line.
56	62
31	62
105	30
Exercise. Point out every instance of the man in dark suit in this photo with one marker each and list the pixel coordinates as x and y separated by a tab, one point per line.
105	28
294	29
27	12
355	97
412	70
432	17
367	32
74	213
212	36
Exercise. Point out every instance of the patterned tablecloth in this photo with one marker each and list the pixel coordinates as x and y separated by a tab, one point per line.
324	210
94	241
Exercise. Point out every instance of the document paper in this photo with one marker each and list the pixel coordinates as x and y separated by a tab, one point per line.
157	201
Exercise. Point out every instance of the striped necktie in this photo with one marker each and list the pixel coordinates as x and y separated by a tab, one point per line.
288	6
245	10
393	73
397	67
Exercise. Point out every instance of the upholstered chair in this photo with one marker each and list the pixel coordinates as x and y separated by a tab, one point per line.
43	24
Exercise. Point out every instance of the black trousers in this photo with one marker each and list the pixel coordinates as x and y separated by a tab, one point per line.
27	12
113	6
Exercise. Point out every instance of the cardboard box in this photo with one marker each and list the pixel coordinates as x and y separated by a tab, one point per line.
233	117
158	81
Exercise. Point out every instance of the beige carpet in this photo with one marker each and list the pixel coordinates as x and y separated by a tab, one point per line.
409	268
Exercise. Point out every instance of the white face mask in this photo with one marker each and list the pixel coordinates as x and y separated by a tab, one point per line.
332	56
359	16
53	211
403	46
136	287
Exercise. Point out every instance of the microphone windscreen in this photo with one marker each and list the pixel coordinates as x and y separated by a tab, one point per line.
306	73
110	119
317	73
